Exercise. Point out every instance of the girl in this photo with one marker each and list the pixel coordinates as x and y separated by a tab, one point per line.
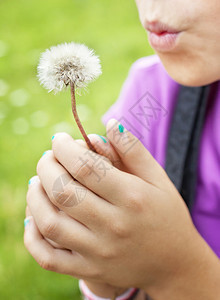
129	232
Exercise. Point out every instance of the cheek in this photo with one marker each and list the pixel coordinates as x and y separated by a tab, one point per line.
196	60
199	55
190	70
176	13
141	6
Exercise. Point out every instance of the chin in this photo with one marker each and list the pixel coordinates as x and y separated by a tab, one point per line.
186	71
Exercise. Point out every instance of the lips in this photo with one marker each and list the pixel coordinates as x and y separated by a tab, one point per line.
162	37
159	28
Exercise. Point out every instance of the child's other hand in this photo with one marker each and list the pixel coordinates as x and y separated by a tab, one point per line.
125	229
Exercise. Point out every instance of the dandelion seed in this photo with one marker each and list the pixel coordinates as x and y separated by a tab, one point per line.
69	64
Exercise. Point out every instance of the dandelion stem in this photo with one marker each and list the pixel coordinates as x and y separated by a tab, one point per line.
76	117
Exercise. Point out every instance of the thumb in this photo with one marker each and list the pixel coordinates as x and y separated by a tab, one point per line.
133	154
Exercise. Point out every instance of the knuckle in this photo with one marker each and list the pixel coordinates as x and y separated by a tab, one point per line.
135	201
64	191
83	168
63	197
118	228
106	253
47	263
49	228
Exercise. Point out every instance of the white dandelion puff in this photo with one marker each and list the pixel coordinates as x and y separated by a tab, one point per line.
68	63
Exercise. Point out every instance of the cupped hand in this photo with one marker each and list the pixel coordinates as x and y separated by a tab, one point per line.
125	225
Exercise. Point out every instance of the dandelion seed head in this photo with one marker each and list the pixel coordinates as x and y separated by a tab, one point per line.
65	63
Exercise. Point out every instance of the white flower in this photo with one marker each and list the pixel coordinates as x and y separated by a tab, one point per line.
65	63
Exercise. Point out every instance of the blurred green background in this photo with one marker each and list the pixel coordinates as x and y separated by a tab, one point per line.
29	116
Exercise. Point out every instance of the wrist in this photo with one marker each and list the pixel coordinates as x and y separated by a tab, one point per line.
97	291
103	290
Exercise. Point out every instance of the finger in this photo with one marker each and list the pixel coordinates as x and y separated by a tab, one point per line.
92	170
55	245
61	261
71	196
82	143
133	154
52	223
104	147
27	211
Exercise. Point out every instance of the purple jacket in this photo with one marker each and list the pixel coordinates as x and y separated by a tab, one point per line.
145	107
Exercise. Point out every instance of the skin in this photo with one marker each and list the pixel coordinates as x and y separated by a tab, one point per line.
196	59
134	235
133	223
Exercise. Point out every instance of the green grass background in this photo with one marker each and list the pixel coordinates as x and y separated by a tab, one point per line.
29	115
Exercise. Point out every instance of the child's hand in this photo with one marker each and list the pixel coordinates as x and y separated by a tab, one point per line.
125	229
103	147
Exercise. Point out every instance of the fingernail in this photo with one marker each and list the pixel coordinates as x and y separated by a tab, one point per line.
44	153
104	139
57	133
33	180
26	221
121	128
